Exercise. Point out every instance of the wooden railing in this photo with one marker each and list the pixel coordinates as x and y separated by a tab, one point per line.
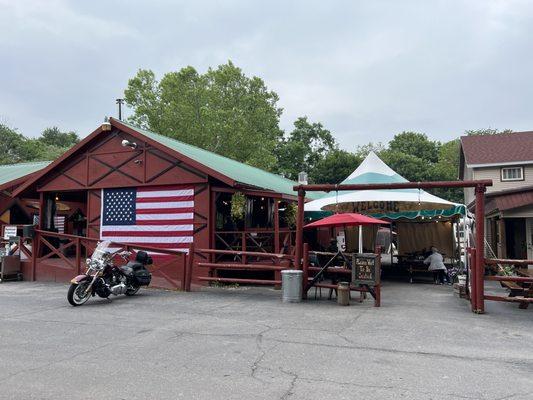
83	246
521	287
274	262
260	240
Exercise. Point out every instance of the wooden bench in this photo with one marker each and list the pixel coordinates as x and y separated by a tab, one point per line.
515	290
418	270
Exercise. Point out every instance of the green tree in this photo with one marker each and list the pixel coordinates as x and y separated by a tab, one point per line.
412	168
363	150
486	131
15	147
416	144
336	166
306	145
223	111
447	169
10	145
54	137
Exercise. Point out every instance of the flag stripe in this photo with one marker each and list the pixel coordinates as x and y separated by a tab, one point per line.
149	240
165	222
141	194
146	228
146	234
169	216
164	199
164	205
166	210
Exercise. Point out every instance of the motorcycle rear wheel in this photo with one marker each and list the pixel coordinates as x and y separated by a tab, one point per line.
76	294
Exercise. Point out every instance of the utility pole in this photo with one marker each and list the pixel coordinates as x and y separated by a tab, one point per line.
120	102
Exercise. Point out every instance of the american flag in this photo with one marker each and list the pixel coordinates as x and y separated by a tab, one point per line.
159	217
59	223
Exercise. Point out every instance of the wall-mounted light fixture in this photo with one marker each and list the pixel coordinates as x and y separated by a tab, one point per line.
127	143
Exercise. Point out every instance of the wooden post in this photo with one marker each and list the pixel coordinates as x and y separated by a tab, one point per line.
473	279
188	270
243	247
305	269
41	210
212	222
277	274
34	252
78	255
183	285
480	246
276	226
377	288
502	244
299	229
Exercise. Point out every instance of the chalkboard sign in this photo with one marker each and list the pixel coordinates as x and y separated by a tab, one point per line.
365	269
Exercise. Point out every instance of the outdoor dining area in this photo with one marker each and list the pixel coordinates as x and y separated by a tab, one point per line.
340	271
413	224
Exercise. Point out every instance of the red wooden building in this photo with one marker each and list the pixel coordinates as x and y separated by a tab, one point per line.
118	155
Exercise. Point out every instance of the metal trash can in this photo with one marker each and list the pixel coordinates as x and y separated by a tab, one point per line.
291	285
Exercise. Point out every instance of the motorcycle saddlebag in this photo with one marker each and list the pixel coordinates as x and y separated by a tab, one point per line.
143	276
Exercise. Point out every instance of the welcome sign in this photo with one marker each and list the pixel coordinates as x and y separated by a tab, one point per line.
376	207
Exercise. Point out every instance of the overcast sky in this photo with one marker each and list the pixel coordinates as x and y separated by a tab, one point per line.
365	69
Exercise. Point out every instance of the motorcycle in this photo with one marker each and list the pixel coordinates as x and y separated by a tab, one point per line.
103	278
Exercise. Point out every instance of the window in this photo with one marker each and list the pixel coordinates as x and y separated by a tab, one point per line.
512	174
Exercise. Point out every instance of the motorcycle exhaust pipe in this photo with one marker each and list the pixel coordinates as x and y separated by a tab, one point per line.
118	289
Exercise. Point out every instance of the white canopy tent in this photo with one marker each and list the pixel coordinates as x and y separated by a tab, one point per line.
374	170
402	205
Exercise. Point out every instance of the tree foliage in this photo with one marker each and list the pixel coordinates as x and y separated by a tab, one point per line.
223	111
334	167
305	146
54	137
486	131
15	147
415	144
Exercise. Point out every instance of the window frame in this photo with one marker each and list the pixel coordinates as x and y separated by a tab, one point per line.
518	167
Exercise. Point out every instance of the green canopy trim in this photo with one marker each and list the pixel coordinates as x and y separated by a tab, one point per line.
311	216
444	213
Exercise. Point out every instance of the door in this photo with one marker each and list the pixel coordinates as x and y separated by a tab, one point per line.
529	238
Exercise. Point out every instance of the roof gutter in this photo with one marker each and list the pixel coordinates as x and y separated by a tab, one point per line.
501	164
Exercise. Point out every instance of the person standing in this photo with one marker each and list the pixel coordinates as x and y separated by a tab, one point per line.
436	264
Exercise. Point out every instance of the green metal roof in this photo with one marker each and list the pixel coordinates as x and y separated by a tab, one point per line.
238	171
11	172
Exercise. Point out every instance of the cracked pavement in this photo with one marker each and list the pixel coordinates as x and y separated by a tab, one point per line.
244	343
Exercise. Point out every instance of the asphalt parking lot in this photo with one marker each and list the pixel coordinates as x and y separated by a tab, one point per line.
243	343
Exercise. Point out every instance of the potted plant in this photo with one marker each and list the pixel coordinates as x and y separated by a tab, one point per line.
238	208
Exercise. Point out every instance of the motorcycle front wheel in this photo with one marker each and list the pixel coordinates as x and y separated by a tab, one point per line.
76	293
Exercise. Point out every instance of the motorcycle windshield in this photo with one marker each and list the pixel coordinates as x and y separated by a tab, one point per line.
103	249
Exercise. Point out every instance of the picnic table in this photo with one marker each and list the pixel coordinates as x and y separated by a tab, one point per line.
523	289
414	264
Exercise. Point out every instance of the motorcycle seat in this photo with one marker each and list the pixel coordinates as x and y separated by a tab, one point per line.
131	267
135	265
